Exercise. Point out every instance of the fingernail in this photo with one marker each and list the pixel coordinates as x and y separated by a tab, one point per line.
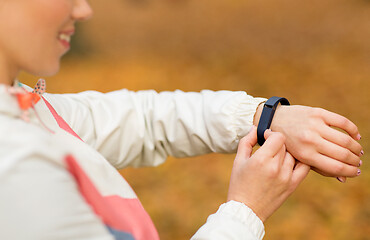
360	164
358	137
362	152
358	172
341	179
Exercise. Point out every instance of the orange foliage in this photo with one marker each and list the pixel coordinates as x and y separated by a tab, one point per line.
314	53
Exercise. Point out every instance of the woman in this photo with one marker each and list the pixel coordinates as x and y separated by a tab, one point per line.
59	152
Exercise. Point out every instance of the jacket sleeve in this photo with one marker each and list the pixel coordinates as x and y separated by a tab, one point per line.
232	221
143	128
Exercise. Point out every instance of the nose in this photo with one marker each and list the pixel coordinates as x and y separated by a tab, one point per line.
82	10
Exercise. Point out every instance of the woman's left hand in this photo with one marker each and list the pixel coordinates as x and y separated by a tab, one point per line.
311	139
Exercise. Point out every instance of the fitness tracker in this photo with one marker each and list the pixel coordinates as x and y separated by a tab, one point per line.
267	114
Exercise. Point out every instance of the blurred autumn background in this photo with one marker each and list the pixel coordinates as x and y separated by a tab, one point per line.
313	52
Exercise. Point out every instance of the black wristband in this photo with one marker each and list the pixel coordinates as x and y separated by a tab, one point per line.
267	114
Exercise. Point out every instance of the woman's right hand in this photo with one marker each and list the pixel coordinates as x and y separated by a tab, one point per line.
264	180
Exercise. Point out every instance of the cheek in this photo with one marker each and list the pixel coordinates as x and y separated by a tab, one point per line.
30	42
35	46
38	16
53	13
48	20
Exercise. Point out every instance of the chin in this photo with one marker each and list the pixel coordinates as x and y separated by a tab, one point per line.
46	72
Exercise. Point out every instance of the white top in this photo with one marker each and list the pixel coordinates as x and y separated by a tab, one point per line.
42	198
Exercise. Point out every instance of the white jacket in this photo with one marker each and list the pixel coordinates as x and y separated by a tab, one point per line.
55	186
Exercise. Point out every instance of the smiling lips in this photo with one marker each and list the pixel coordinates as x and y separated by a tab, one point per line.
65	38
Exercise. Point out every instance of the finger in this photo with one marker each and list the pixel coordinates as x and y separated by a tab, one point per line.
342	139
299	173
340	179
274	142
288	166
332	167
321	172
280	156
247	143
339	153
341	122
289	162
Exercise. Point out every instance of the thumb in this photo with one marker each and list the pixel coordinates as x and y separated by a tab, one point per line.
247	143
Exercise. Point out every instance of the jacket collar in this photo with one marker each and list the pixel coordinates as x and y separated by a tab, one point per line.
8	102
37	114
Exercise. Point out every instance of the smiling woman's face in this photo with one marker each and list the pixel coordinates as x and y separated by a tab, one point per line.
34	34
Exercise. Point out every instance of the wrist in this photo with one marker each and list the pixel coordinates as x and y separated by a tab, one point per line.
258	113
267	115
246	200
280	112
